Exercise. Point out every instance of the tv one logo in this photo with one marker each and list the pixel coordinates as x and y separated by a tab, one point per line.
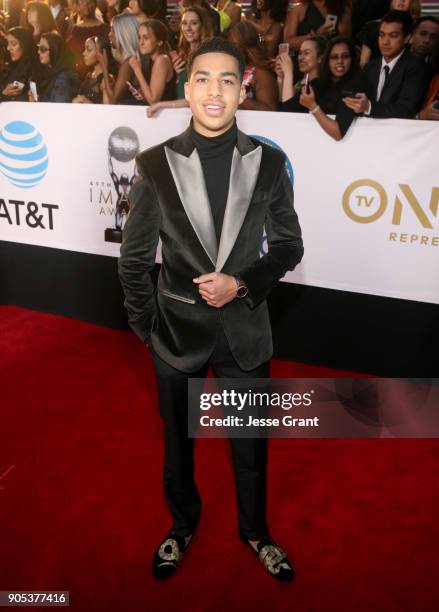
366	201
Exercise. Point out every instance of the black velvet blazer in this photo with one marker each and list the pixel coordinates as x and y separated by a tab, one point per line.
170	202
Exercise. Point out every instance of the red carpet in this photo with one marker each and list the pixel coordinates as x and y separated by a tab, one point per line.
82	507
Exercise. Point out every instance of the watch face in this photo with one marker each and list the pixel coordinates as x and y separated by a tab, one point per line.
242	291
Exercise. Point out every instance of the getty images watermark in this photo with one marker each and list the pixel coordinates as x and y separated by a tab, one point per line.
314	408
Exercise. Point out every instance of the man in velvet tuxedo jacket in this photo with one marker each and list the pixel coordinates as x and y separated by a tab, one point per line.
397	81
208	194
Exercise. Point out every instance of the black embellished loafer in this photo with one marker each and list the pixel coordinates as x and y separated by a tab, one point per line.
273	558
168	555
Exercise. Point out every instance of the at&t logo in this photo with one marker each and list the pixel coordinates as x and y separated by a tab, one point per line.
23	154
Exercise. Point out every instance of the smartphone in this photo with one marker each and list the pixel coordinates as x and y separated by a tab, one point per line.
348	93
132	89
18	84
331	20
33	90
284	48
307	89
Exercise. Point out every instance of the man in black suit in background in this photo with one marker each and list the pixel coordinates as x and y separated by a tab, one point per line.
208	194
397	81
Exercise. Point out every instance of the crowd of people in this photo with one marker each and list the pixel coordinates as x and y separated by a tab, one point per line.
336	59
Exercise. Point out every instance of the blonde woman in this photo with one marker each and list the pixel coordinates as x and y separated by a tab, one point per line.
124	38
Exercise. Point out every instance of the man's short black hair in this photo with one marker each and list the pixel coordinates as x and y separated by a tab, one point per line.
402	17
217	45
426	18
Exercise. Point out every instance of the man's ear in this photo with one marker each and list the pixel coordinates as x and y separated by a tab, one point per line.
242	93
187	92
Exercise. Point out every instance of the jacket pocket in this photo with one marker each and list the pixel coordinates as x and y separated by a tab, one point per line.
174	296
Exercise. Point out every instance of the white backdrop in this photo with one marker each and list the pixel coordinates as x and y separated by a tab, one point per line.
368	205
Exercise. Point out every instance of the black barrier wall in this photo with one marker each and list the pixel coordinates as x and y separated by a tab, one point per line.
338	329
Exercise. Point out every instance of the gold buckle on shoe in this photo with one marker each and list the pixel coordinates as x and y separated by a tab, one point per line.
273	558
174	555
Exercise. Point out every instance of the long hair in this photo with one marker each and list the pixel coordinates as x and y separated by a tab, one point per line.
414	10
27	44
277	9
246	38
206	29
337	7
435	57
159	30
325	71
45	18
149	7
126	31
28	64
320	43
61	57
105	46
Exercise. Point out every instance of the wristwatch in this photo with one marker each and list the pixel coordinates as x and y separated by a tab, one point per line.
242	288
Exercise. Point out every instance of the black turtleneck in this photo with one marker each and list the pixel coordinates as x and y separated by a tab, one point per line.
216	154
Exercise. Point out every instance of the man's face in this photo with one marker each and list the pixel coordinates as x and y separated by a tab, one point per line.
424	37
214	92
391	40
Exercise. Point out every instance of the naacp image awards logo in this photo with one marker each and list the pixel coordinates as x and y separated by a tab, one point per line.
123	146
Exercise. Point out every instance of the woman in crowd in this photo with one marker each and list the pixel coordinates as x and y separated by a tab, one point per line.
40	19
113	8
430	108
151	64
22	67
259	80
124	37
58	82
195	27
4	53
87	25
340	77
62	17
92	90
208	8
368	36
311	54
268	17
229	12
306	20
143	9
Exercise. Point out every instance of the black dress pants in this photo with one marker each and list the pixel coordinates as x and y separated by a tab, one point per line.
249	455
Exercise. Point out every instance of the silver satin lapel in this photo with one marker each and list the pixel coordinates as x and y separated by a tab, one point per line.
189	180
243	176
